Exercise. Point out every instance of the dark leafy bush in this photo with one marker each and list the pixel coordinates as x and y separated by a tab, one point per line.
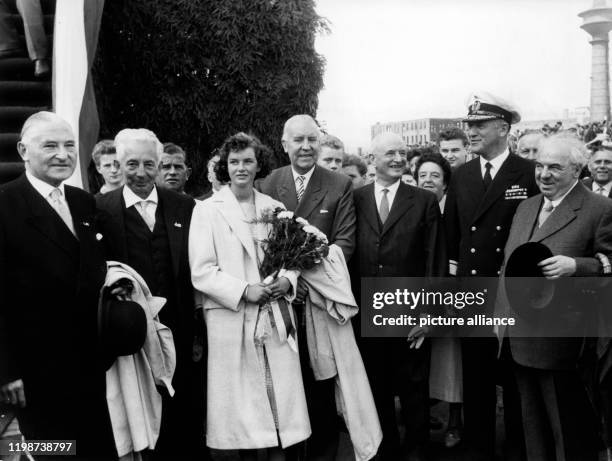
197	71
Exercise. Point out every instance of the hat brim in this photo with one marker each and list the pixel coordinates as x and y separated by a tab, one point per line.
480	118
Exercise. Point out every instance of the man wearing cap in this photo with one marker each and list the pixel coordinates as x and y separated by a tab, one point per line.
482	198
600	167
576	226
52	268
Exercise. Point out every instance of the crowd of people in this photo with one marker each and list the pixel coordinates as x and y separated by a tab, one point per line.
215	368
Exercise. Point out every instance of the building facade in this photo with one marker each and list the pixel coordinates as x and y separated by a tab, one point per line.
416	132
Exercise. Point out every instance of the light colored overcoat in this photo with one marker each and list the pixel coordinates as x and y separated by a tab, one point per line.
223	260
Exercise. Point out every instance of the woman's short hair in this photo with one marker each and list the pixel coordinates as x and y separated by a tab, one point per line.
438	160
237	143
103	147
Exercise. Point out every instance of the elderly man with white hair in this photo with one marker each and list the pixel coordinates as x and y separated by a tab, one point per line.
576	226
152	226
51	271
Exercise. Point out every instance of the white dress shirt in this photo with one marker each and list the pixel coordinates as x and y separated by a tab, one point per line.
555	203
496	163
131	199
595	188
378	193
306	175
45	190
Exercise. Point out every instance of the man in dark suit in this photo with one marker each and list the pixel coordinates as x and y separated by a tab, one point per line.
324	198
481	201
600	167
152	226
575	225
399	234
52	268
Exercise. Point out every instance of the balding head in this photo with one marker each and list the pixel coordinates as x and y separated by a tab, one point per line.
390	156
48	147
301	142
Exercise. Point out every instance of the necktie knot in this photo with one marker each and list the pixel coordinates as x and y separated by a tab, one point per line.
602	190
548	206
56	195
488	166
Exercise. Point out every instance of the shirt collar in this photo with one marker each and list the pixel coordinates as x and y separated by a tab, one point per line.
391	188
130	198
595	187
306	175
555	203
42	187
496	163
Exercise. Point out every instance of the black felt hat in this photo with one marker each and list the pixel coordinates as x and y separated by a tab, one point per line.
122	328
528	291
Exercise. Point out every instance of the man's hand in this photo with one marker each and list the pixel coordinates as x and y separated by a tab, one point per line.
257	293
417	336
558	266
13	393
302	291
279	287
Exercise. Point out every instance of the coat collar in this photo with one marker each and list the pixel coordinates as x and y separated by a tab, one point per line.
403	201
230	209
561	216
509	172
46	220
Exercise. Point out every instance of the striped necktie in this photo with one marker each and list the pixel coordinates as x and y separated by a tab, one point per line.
300	187
384	206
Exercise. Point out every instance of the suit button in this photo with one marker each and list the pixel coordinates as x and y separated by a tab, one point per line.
380	266
472	250
473	271
497	250
473	228
498	272
498	228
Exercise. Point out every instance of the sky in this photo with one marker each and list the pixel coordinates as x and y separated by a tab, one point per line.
392	60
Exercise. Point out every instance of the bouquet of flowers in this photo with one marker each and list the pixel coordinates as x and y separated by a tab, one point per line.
292	244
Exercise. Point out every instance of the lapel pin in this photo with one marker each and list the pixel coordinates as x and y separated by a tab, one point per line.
85	223
99	236
178	224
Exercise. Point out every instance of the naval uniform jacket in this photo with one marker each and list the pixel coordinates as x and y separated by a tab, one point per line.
478	221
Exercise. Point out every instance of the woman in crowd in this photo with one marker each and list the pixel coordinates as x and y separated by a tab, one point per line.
445	377
255	391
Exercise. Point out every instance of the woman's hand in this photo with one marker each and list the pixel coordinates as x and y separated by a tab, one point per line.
257	293
279	287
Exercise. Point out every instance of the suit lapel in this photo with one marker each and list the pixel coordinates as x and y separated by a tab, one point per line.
46	220
285	189
116	210
232	213
505	176
402	202
562	215
312	195
175	227
368	207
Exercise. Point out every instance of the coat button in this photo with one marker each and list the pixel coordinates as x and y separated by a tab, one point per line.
498	228
498	272
473	228
472	250
497	250
473	271
380	266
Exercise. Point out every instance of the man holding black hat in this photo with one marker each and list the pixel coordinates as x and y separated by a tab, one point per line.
482	198
576	226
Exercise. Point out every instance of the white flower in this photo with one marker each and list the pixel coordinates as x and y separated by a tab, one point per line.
301	221
310	230
285	215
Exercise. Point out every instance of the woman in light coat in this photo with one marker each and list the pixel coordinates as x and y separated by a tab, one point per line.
255	390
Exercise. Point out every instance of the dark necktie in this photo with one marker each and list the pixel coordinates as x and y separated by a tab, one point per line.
487	179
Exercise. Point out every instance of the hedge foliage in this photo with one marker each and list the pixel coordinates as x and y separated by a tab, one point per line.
197	71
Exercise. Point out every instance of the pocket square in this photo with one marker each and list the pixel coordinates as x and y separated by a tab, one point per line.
323	211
